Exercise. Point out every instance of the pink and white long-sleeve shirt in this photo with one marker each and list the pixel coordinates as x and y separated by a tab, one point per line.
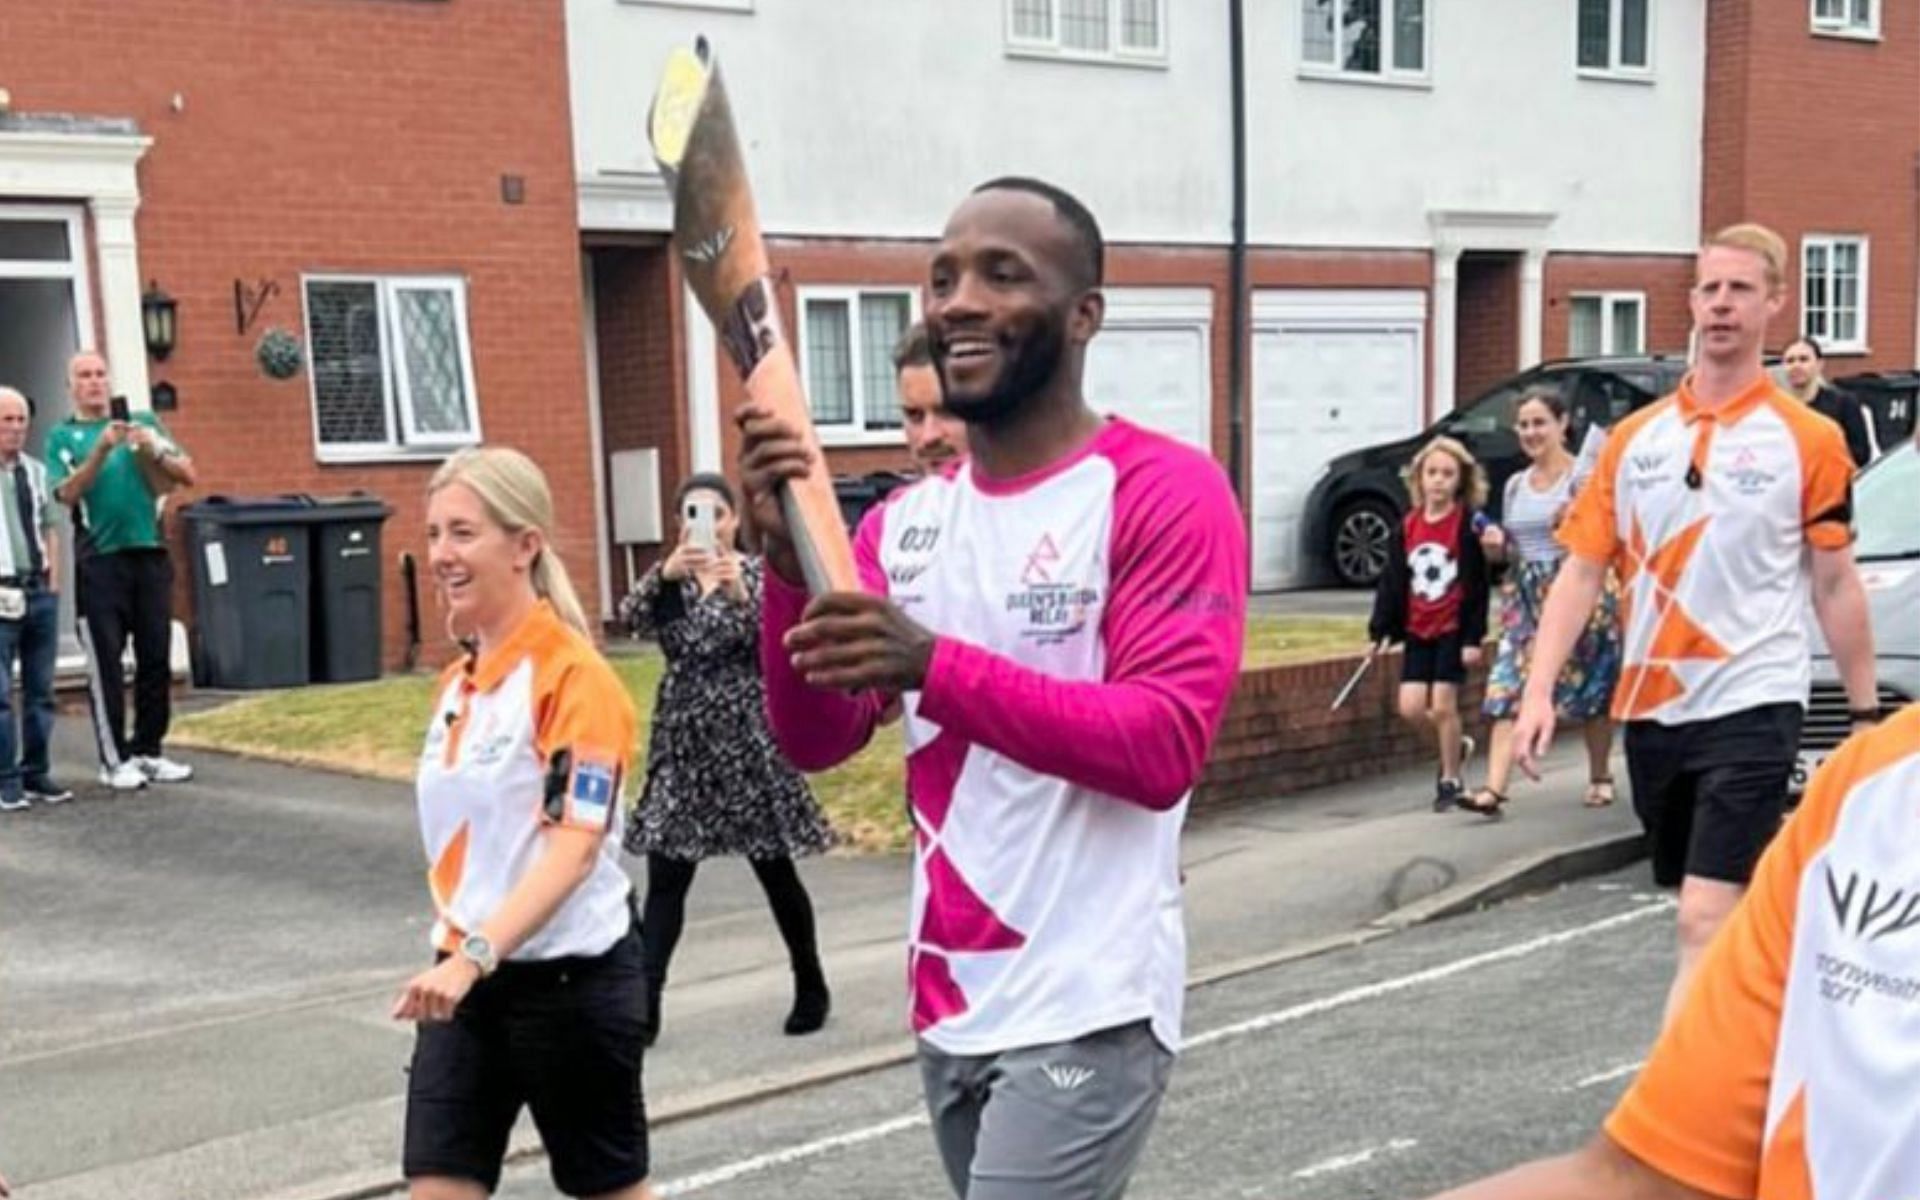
1089	619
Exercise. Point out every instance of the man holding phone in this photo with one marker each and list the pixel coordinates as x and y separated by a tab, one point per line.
112	467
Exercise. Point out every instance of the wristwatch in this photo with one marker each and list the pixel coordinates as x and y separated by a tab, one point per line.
477	949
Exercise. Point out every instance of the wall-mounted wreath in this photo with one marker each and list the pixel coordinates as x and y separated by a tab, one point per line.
279	354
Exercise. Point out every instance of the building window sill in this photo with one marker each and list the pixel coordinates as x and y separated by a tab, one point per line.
1608	75
1141	60
1407	82
1848	35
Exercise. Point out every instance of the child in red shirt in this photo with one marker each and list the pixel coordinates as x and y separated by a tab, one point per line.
1433	597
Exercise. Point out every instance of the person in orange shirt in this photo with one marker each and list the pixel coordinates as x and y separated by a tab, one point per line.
1787	1073
538	995
1726	509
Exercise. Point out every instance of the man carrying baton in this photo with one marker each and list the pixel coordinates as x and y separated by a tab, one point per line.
1060	619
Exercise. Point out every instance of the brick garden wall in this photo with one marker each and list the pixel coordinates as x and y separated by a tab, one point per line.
1279	736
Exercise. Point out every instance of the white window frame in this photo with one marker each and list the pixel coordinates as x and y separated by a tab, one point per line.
1026	46
405	439
1846	26
854	430
1829	344
1388	74
1606	301
1616	39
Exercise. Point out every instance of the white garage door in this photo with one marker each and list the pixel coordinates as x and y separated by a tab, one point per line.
1150	362
1332	371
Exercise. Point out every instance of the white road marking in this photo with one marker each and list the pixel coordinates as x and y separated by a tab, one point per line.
1358	1158
1461	966
1607	1076
792	1154
806	1150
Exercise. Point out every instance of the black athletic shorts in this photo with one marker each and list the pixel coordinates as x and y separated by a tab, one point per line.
1433	660
1710	794
563	1038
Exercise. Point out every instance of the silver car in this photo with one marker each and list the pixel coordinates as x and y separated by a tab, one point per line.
1886	508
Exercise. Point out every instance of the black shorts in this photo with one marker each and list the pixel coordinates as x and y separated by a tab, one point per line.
563	1038
1710	794
1433	660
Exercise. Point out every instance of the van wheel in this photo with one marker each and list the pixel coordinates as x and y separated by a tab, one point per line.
1361	534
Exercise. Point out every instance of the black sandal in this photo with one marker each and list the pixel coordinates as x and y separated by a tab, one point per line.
1490	809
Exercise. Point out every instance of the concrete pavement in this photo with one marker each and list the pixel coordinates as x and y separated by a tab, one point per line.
194	981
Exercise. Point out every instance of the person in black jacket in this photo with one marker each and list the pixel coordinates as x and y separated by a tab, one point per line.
1804	365
1433	598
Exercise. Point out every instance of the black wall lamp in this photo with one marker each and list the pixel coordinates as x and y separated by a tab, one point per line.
159	314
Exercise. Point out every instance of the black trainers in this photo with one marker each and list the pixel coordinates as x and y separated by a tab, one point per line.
1447	795
14	803
46	791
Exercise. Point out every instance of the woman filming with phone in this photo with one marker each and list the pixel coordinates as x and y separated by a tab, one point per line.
716	785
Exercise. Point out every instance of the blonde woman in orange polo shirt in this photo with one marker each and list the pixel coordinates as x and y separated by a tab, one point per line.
537	996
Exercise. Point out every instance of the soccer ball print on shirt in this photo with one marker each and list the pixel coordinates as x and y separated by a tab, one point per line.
1431	570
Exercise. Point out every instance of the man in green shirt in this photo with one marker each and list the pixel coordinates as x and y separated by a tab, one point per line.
112	473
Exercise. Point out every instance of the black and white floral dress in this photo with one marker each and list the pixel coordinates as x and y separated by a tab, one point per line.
716	783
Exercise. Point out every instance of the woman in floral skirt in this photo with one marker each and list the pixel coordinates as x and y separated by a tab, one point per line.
1535	501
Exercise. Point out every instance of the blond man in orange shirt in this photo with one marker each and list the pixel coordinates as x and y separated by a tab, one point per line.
1726	509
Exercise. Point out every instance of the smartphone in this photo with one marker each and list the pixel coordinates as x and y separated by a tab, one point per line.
700	515
117	408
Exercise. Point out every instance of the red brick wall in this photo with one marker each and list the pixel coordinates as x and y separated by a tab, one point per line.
1663	279
1778	152
298	149
642	381
1487	345
1280	737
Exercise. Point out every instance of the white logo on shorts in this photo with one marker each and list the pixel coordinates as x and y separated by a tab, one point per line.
1065	1078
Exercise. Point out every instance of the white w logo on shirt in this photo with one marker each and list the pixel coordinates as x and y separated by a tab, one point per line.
1066	1078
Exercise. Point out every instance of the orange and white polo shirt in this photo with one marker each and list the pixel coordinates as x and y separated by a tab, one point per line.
1708	516
1789	1072
489	791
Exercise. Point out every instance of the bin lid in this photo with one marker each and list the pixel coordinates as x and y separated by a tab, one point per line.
286	509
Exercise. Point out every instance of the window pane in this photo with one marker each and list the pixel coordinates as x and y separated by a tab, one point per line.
1830	10
1410	35
1033	19
829	362
1140	25
1595	33
1083	25
1626	327
1633	33
430	350
34	241
1583	326
1360	34
349	378
1316	31
882	320
1863	14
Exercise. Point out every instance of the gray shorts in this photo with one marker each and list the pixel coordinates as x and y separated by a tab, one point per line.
1059	1122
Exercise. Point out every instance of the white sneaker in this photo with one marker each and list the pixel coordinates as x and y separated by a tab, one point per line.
124	778
159	769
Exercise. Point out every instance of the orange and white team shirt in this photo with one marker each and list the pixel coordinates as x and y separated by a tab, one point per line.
489	787
1789	1073
1709	516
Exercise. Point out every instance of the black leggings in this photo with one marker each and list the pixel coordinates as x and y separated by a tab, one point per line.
668	880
